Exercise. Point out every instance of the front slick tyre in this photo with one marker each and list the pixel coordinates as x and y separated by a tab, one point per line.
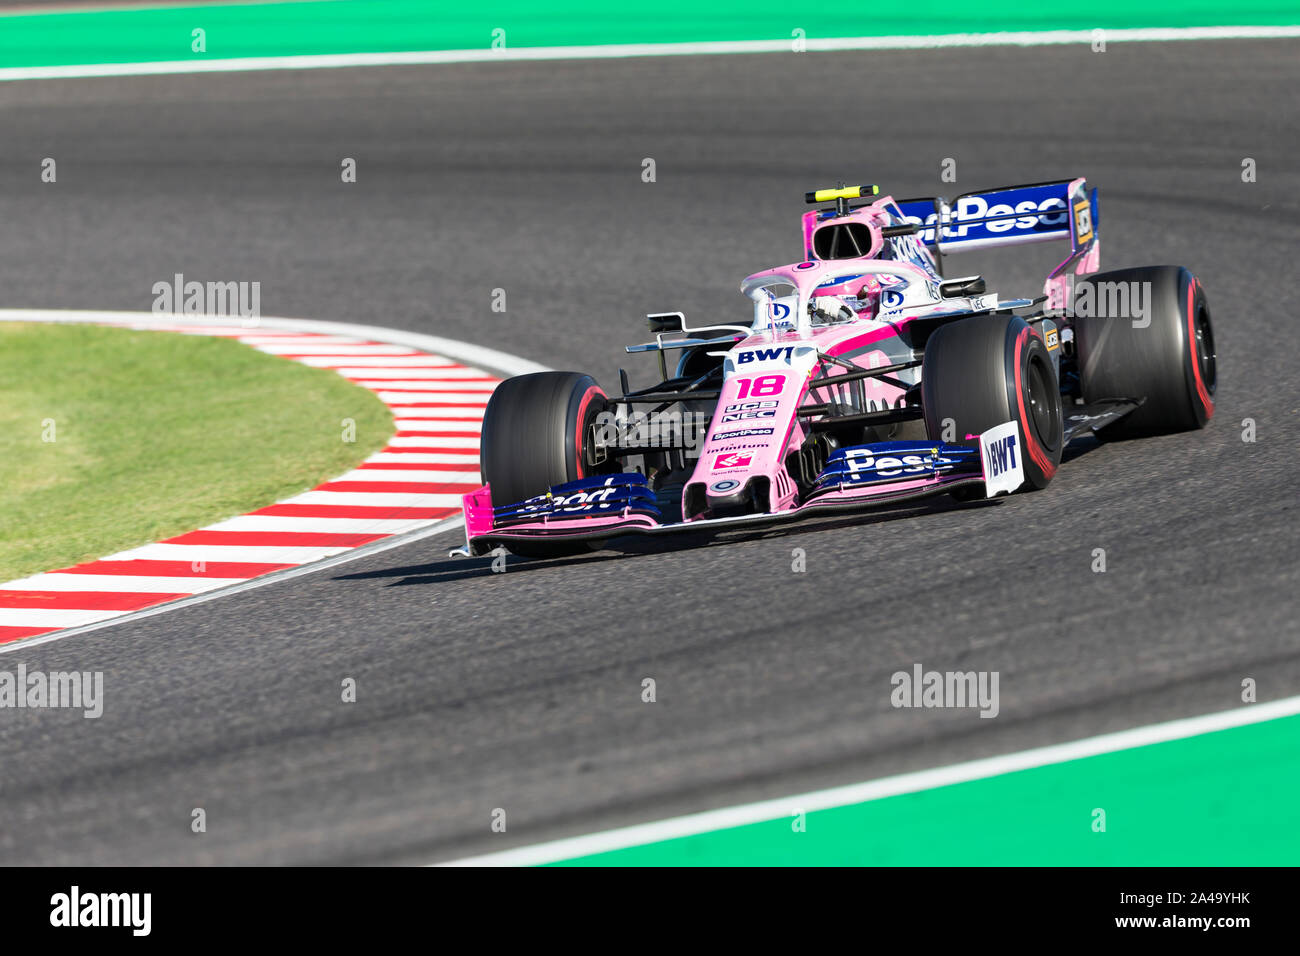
981	372
534	434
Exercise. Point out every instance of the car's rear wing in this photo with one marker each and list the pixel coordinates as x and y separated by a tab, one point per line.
1008	215
1011	215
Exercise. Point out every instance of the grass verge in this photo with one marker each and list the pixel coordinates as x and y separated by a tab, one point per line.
113	438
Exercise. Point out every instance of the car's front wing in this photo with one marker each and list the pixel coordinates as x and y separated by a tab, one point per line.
607	506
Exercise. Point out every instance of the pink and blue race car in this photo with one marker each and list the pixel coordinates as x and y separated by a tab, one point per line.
865	377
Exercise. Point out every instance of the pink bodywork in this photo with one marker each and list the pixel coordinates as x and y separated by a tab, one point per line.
782	381
751	383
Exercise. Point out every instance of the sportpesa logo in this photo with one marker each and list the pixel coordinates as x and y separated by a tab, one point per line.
863	465
1049	215
578	501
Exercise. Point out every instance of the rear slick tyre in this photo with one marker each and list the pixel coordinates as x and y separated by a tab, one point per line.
1162	354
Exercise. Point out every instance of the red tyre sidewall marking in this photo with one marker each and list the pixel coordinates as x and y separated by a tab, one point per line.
1202	392
582	417
1036	451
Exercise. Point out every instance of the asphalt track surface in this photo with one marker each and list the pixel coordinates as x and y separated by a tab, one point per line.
522	690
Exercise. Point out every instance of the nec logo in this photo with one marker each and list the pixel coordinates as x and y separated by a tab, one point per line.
745	411
1000	456
732	461
764	355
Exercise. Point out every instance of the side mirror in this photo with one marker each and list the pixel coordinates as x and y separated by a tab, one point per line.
666	321
956	288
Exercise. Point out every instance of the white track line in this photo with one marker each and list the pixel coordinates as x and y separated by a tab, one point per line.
386	499
470	479
330	350
744	814
450	348
243	553
422	373
447	391
460	398
284	339
469	442
127	583
421	458
51	617
414	386
437	425
275	577
619	51
320	525
437	387
343	362
442	416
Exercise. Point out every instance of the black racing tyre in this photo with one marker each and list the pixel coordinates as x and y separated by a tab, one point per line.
987	370
1158	346
534	430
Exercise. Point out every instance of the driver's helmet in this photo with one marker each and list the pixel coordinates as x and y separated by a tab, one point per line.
829	309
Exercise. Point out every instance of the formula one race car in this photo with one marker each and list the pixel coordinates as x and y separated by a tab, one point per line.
866	377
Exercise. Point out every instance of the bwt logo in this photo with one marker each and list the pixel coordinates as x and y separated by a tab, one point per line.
1001	456
764	355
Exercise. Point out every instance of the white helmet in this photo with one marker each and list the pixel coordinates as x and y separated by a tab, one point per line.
831	308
